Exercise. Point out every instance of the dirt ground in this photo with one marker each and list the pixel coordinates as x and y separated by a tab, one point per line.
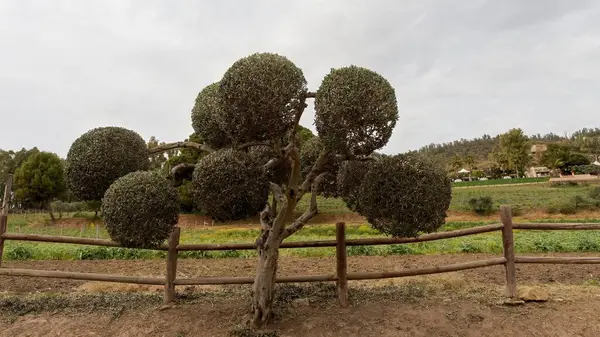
468	303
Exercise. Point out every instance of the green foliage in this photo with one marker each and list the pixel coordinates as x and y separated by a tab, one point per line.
100	156
19	253
259	96
356	111
309	154
403	195
349	179
206	118
186	197
279	174
140	209
482	205
230	185
595	193
10	161
39	180
303	135
111	253
513	150
401	249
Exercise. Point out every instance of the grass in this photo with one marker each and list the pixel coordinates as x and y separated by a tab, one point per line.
500	182
525	242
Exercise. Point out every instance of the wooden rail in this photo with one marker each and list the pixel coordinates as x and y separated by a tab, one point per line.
341	276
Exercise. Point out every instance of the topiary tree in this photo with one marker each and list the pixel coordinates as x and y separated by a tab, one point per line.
100	156
140	209
39	180
258	105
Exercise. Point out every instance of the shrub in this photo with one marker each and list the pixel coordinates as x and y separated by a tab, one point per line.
482	205
403	195
567	208
230	185
595	193
100	156
140	209
358	100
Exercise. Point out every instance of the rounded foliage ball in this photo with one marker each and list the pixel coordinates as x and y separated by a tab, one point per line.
309	155
279	174
403	195
230	185
356	111
259	96
206	114
140	209
100	156
349	179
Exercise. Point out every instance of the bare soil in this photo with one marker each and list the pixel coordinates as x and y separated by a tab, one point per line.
468	303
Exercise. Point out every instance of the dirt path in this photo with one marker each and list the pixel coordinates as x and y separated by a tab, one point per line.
527	273
465	303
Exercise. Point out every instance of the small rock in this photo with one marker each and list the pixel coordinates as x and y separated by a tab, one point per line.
533	294
166	307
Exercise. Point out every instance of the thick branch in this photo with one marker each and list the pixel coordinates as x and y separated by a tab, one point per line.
311	94
180	145
182	172
310	212
251	144
295	174
317	168
265	218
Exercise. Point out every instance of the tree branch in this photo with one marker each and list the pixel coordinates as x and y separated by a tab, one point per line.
311	94
355	158
317	168
251	144
310	212
265	217
179	145
181	172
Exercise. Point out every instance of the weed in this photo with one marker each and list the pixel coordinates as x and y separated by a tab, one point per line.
361	251
482	205
19	253
469	247
586	244
400	249
547	245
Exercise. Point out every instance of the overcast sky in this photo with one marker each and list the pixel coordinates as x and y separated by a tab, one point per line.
460	68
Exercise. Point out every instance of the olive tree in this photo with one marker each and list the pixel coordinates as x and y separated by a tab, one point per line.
249	121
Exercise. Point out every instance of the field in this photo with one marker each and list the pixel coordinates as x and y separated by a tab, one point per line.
500	182
465	303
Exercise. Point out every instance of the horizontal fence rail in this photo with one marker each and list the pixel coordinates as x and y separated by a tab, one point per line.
341	275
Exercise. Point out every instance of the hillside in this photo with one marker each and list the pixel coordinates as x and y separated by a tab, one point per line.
480	148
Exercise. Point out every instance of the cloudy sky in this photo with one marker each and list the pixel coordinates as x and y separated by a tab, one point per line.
460	68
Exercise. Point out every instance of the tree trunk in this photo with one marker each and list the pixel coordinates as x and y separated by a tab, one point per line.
52	218
264	286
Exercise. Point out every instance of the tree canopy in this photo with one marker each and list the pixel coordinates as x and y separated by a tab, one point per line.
102	155
39	180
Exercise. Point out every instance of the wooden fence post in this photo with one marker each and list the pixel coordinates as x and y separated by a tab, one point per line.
172	253
509	251
4	213
341	263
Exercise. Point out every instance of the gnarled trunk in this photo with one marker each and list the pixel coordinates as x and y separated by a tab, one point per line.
263	289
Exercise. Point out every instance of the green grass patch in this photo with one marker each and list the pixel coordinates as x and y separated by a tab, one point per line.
500	182
525	242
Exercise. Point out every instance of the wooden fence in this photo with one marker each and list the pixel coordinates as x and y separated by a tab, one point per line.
340	275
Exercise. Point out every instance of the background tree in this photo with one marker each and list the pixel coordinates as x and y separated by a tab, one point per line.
10	161
456	163
39	180
255	110
512	150
470	162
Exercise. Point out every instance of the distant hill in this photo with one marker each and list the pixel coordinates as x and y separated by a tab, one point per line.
480	148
